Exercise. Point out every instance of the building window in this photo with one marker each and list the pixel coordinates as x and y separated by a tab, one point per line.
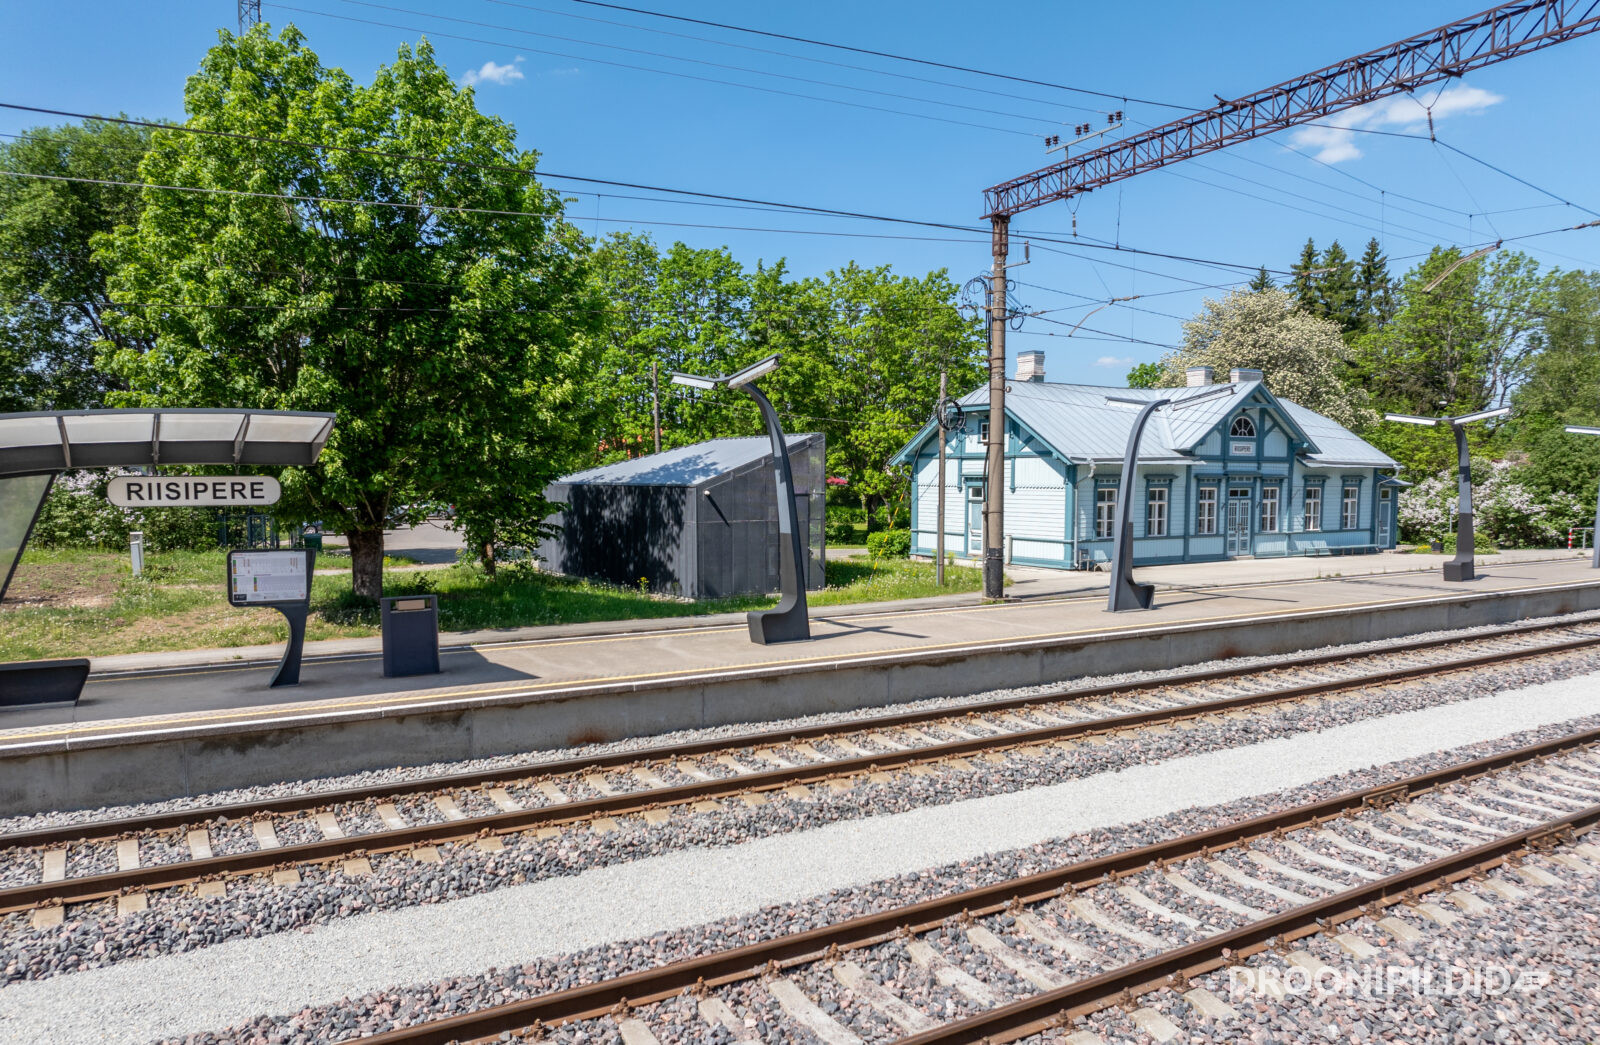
1243	428
983	432
1313	508
1105	511
1155	512
1205	514
1351	515
1269	509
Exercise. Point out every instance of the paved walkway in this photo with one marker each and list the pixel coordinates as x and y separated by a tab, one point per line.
216	694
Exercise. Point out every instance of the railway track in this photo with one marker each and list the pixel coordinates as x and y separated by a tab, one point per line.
1018	958
45	870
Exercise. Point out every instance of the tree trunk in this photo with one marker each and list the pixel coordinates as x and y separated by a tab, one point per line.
488	558
866	512
366	561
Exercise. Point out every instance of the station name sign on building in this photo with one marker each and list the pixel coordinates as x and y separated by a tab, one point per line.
192	491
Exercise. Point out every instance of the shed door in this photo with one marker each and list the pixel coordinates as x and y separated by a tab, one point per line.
1385	517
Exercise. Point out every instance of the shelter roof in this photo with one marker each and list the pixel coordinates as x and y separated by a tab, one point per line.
686	465
57	440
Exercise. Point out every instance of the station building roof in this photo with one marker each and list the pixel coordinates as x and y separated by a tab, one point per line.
1080	425
58	440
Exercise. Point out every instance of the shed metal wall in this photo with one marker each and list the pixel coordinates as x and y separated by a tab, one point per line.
709	541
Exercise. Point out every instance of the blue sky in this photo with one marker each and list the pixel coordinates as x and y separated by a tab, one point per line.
824	134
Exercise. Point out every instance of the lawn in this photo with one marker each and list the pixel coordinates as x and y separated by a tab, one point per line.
66	603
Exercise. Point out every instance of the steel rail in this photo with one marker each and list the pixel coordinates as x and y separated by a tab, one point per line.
1053	1008
90	830
86	888
651	985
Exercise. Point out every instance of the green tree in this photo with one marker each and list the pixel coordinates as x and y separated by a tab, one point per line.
1303	277
1562	388
1302	356
1374	298
1146	375
445	338
54	304
1262	280
866	350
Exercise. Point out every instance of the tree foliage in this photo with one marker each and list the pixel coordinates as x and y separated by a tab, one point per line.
54	303
1302	356
445	339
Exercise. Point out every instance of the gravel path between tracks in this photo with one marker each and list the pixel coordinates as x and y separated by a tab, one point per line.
55	818
756	888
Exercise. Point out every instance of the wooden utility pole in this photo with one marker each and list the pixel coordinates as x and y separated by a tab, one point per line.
938	418
655	403
994	512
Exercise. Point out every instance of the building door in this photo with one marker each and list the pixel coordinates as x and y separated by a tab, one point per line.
975	520
1239	521
1385	517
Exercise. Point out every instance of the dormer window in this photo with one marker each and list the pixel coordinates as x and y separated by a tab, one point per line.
1243	428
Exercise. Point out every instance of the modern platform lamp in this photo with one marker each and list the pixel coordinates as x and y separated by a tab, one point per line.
787	621
1126	593
1595	537
1462	567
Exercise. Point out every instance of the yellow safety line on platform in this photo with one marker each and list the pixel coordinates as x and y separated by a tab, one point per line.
401	700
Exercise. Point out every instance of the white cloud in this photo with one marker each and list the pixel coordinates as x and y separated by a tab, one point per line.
1117	361
489	72
1336	143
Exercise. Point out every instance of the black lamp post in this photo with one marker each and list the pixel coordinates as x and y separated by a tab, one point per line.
787	621
1594	538
1463	566
1126	593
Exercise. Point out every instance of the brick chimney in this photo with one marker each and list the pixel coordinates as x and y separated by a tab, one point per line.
1030	365
1239	375
1199	376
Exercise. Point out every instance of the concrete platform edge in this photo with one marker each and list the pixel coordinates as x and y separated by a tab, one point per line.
160	763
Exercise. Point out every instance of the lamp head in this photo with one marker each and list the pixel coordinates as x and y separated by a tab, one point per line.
694	380
1481	415
753	371
1412	419
1583	430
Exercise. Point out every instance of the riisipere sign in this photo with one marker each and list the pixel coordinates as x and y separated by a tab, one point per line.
192	491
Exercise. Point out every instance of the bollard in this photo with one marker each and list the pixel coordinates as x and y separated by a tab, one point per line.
136	551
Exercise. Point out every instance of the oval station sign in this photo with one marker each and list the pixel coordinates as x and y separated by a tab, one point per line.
192	491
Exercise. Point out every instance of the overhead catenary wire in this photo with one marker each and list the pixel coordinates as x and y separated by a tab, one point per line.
660	72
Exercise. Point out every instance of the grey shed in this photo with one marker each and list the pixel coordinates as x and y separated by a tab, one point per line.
700	521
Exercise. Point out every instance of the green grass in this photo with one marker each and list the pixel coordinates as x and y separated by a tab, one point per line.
87	603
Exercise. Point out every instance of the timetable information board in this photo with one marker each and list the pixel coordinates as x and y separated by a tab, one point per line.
266	577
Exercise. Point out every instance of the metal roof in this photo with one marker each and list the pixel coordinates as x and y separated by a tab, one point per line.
687	465
57	440
1078	423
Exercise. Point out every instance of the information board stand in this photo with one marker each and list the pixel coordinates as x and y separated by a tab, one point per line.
281	580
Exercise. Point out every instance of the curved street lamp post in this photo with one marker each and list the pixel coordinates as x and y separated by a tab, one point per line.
1594	538
1127	593
787	621
1463	567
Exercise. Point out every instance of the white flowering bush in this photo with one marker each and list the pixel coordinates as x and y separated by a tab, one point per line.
77	515
1505	511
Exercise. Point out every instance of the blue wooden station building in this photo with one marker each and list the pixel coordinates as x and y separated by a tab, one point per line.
1246	474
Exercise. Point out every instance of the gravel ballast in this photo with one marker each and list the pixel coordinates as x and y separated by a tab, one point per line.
231	982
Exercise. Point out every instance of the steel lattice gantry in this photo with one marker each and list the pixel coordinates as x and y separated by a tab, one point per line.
1445	52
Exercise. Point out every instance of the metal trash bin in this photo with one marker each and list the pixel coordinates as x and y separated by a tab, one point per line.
410	635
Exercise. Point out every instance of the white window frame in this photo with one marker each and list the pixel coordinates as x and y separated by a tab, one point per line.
1350	508
1105	511
1233	429
1313	516
1156	501
1205	512
1270	496
983	433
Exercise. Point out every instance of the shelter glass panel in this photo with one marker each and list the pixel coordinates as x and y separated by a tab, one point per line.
20	497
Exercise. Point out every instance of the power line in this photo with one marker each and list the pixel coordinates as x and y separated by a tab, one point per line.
790	54
659	72
877	54
695	61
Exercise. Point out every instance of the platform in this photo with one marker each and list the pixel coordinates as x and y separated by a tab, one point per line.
156	733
